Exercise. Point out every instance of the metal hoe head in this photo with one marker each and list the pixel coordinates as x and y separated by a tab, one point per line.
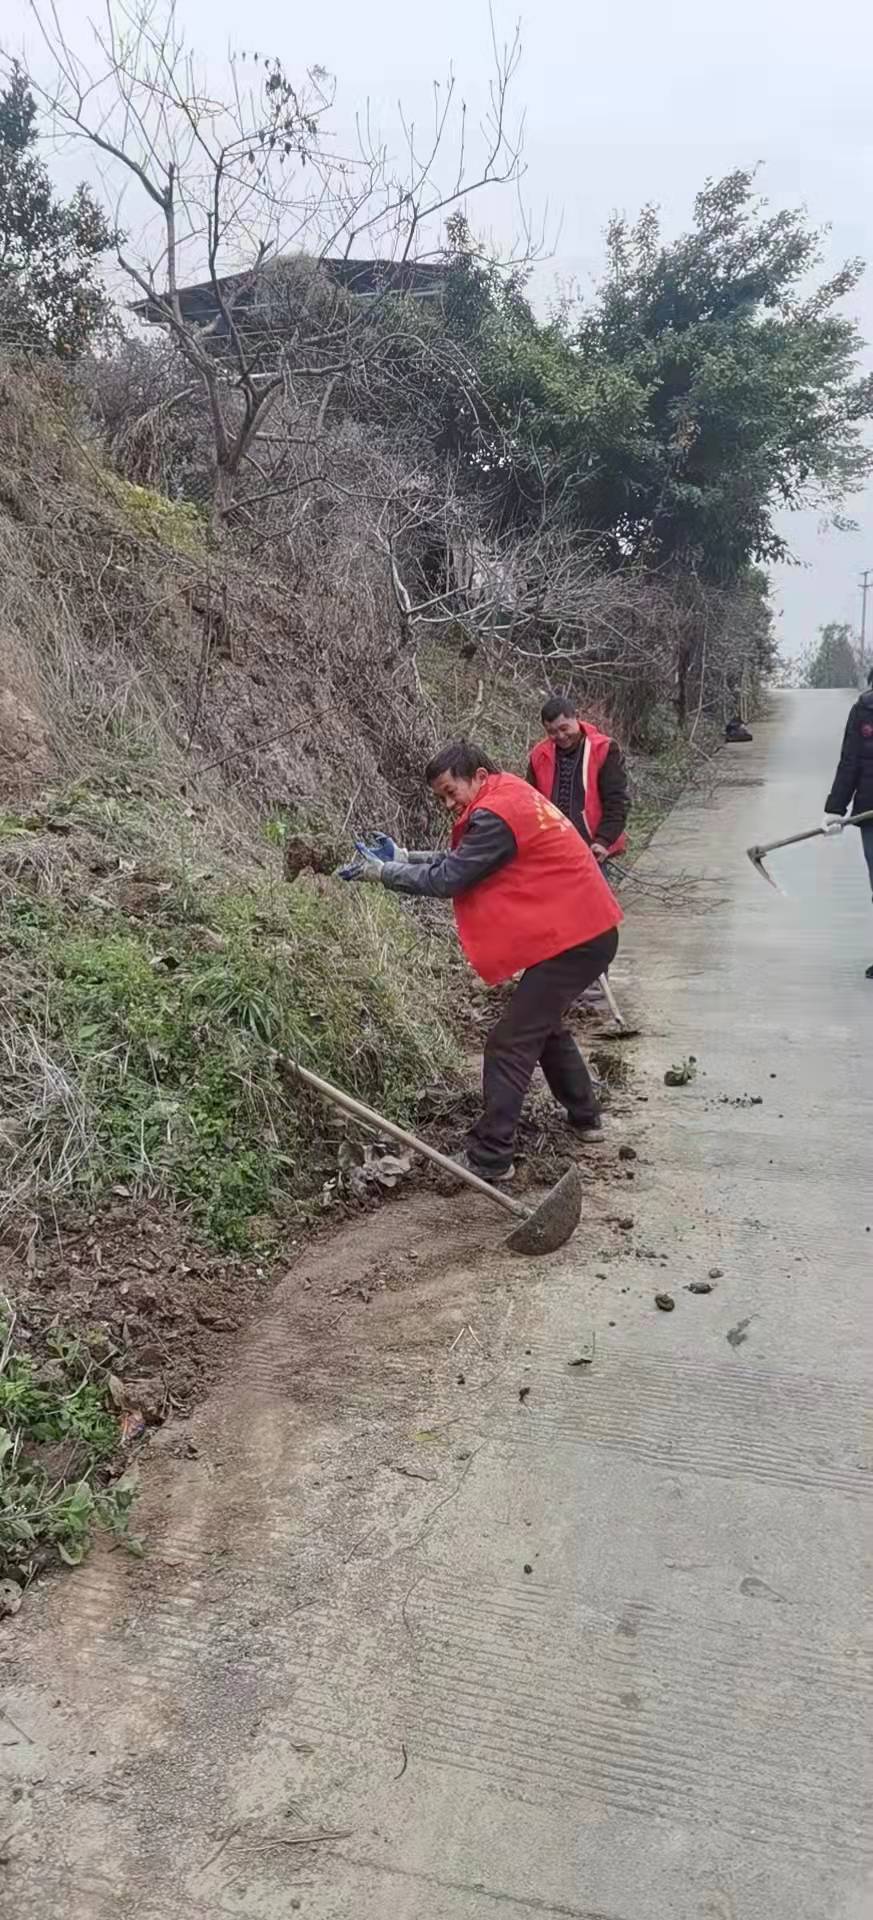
756	855
551	1224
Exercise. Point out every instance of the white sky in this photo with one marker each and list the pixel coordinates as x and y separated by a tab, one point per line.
624	104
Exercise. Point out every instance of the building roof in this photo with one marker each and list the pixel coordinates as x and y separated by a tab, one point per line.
422	279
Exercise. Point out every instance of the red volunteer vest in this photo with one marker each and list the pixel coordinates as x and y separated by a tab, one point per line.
550	897
594	751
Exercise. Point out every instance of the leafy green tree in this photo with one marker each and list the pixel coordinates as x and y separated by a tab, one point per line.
751	396
529	421
51	299
704	388
835	662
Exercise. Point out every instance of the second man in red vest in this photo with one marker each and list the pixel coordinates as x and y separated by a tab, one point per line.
582	772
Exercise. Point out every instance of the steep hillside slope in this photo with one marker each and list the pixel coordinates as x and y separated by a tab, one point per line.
187	745
170	748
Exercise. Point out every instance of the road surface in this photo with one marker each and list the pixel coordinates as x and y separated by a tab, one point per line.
464	1632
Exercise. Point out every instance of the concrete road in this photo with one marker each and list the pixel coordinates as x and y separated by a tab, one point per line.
494	1635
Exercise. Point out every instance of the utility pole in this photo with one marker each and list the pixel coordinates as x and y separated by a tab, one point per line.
866	580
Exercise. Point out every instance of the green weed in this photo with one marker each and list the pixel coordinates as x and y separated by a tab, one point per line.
61	1402
175	523
161	1047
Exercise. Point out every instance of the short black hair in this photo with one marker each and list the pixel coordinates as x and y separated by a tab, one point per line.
556	707
462	759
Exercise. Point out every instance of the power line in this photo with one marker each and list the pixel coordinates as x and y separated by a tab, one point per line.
866	578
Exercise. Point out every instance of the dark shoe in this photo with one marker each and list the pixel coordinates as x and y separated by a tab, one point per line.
495	1177
587	1130
869	974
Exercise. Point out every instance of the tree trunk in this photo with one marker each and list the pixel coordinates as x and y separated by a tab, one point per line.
222	501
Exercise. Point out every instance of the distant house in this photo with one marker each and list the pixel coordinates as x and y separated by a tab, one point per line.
366	279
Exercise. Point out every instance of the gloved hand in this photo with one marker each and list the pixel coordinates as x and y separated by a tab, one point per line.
366	867
832	823
599	851
384	847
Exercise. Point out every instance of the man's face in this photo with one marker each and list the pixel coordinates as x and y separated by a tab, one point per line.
565	731
455	794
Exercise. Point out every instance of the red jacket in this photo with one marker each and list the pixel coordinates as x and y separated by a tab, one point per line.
551	896
595	749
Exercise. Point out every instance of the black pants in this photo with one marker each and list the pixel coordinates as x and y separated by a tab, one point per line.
532	1031
867	842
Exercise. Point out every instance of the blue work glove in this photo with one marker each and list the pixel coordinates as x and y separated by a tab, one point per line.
383	847
367	866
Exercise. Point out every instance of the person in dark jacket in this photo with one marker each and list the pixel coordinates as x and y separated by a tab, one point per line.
529	899
853	780
581	770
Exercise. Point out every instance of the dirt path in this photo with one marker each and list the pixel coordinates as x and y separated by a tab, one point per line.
350	1424
437	1626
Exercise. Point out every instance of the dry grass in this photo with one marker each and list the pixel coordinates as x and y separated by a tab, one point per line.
46	1131
152	955
238	681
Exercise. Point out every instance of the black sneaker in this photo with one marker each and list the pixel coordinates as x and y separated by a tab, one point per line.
493	1178
588	1130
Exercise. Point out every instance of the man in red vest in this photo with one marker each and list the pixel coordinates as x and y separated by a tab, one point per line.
582	771
529	898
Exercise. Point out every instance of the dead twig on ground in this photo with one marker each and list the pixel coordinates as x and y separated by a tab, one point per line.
297	1840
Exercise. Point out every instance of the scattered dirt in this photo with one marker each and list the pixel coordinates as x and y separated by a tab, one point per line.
169	1312
613	1070
167	1306
303	853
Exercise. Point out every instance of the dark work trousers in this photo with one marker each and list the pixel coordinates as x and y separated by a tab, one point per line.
867	841
532	1031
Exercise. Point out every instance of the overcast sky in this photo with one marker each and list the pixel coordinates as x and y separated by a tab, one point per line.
624	104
